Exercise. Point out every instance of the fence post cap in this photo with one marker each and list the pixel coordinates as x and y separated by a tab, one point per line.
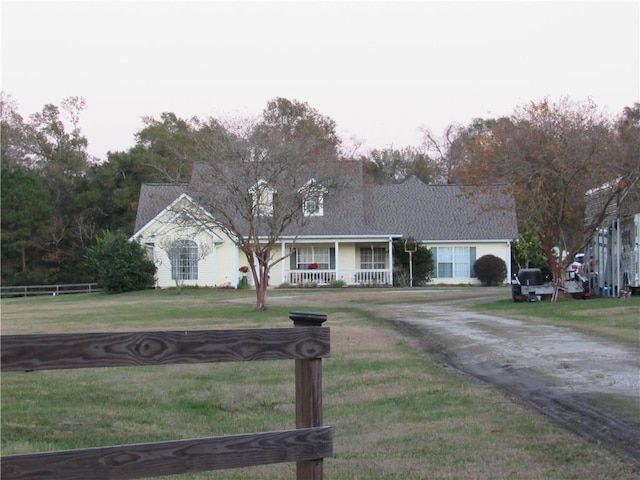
308	319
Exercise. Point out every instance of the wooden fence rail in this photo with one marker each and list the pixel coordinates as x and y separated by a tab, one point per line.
307	343
63	289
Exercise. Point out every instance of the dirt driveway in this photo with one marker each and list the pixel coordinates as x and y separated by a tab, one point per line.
590	385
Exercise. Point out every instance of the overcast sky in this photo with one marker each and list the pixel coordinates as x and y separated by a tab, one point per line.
383	71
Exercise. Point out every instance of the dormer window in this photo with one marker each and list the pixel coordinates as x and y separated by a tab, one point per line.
262	195
313	206
313	199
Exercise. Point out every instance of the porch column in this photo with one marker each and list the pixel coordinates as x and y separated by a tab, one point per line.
236	267
337	259
390	246
508	262
618	273
283	266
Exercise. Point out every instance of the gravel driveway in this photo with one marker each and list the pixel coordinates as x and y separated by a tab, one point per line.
590	385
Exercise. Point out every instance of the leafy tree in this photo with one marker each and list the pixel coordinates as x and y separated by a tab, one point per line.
13	144
106	198
526	250
107	195
551	155
389	166
490	270
168	145
422	265
451	148
56	150
51	145
292	121
425	169
627	128
254	176
25	213
120	265
84	196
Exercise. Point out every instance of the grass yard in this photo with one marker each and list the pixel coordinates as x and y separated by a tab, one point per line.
396	413
615	318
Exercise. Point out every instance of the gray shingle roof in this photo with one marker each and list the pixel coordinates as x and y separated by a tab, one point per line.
426	212
155	197
441	212
343	210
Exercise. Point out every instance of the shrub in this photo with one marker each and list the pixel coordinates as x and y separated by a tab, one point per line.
337	283
120	265
422	265
490	270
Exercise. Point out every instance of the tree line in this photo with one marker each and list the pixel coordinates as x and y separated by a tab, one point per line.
57	202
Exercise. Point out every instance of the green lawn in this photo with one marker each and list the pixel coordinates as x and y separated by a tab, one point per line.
617	318
396	413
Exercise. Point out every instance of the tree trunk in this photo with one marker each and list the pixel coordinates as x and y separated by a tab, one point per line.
23	253
556	271
261	297
262	283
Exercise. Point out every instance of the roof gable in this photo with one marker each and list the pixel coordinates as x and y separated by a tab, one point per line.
177	211
154	198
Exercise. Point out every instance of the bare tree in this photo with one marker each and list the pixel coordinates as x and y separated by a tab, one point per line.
444	149
256	177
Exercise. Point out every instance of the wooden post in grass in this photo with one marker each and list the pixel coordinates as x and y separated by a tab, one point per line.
308	374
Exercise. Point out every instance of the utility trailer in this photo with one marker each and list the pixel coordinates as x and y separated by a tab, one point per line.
531	285
616	257
630	254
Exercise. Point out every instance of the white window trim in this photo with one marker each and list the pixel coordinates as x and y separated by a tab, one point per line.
455	263
313	254
316	201
312	191
262	195
375	263
184	260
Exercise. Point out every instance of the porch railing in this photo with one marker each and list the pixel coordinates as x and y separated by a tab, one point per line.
350	277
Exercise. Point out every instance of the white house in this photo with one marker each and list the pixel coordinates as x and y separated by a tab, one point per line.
347	236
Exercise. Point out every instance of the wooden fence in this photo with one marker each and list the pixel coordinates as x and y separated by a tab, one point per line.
307	343
33	290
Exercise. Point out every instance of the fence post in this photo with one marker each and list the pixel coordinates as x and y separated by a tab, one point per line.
308	373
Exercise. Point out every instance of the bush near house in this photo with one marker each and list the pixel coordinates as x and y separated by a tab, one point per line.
490	270
422	265
120	265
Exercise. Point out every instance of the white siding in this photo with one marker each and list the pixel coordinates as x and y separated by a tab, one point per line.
499	249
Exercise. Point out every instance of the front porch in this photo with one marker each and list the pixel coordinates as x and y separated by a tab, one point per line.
351	262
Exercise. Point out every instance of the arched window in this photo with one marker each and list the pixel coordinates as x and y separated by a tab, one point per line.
184	260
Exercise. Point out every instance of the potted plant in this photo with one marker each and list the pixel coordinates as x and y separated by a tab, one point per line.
243	281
